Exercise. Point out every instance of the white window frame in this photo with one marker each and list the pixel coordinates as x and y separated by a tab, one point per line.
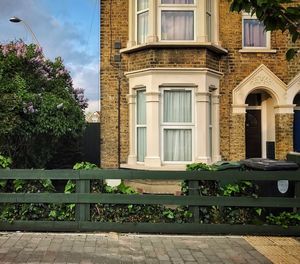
139	126
177	7
168	125
209	15
268	35
137	13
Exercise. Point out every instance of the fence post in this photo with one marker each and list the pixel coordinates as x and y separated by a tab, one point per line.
82	211
297	194
194	190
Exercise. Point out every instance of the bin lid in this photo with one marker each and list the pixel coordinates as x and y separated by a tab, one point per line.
269	164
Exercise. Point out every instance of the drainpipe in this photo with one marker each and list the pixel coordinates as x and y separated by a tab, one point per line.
117	60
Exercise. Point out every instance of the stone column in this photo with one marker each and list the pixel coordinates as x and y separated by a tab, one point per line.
132	130
152	27
202	124
215	22
216	128
131	24
152	158
201	34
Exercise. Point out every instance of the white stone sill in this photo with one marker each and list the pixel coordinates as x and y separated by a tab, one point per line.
209	45
165	167
258	50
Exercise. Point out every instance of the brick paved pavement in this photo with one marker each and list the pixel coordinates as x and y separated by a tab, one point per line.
116	248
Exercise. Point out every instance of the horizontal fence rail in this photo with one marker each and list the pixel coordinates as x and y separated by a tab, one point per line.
229	175
148	199
84	199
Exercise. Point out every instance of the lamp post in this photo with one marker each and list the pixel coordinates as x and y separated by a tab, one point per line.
15	19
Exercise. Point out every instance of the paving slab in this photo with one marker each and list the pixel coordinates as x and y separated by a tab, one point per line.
281	250
113	248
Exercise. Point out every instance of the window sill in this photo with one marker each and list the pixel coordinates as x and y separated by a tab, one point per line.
245	50
164	167
159	45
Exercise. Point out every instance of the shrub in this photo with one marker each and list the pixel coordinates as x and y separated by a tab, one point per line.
39	107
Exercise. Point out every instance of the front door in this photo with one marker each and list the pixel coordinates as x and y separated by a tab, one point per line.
253	134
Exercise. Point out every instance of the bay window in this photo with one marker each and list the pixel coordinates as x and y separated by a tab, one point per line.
169	21
177	125
173	123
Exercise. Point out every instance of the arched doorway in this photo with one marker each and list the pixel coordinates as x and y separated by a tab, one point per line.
260	125
297	123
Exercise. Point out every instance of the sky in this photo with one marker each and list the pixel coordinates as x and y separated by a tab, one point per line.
66	28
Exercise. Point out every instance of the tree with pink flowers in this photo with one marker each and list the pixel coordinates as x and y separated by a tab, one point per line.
39	107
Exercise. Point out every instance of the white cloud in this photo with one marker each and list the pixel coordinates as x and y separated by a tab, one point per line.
93	106
86	76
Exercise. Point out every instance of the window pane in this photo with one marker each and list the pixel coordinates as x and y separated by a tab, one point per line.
142	4
177	1
141	144
141	108
254	33
177	25
142	27
177	106
177	144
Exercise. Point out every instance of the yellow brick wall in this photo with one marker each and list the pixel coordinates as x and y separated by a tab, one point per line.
235	66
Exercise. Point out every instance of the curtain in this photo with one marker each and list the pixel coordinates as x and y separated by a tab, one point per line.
254	33
177	107
177	1
142	4
177	144
141	144
141	108
177	25
142	27
141	123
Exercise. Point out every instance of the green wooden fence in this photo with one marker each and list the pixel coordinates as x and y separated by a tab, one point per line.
83	198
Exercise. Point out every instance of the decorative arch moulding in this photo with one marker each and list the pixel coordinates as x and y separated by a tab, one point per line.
264	79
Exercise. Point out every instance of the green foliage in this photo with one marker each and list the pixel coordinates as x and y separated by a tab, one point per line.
39	107
216	214
283	15
121	188
84	166
243	188
284	219
70	187
5	162
200	166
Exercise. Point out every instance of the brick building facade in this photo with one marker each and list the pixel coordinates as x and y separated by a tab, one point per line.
196	83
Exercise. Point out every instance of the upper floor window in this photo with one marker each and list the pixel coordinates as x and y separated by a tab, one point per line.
177	20
254	33
172	21
142	20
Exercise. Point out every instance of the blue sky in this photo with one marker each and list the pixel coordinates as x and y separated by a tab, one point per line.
66	28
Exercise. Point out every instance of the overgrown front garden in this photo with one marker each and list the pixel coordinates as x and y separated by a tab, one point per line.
144	213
